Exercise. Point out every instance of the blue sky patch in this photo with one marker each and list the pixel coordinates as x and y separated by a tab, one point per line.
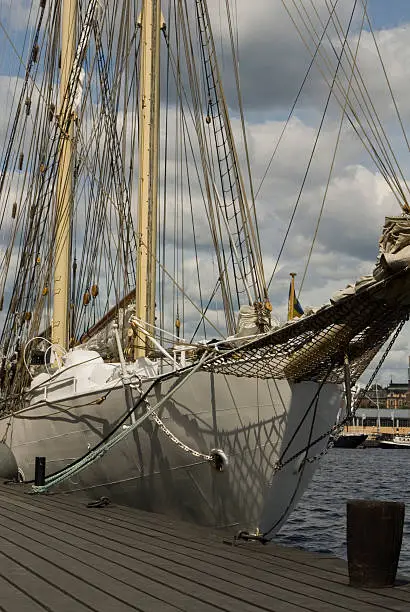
385	14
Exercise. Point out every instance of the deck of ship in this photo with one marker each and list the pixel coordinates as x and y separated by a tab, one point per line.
56	554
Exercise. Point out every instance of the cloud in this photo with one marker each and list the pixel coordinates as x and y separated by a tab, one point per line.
17	14
273	57
395	53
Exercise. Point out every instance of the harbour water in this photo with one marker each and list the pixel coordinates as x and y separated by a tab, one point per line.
319	522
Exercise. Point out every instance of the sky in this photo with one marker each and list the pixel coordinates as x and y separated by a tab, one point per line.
385	15
272	64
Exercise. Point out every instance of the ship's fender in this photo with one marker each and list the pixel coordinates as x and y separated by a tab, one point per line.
8	464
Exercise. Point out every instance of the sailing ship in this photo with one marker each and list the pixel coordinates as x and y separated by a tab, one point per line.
143	368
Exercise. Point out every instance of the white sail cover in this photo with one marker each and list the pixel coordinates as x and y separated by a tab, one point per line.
104	341
394	246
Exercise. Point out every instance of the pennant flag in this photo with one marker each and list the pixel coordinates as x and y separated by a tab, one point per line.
294	307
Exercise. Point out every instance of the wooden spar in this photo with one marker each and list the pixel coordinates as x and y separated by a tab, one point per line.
60	323
108	317
148	139
291	301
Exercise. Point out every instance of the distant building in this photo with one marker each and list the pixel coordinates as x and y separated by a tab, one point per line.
382	419
384	409
397	395
376	396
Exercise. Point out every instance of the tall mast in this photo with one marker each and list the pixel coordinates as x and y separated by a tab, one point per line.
148	139
60	325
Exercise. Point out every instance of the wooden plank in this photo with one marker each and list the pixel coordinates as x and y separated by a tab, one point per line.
115	582
364	596
283	579
308	559
192	535
37	588
94	552
245	577
14	600
196	533
63	578
56	548
215	592
400	592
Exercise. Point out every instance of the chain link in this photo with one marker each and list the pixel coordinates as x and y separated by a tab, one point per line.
136	383
178	442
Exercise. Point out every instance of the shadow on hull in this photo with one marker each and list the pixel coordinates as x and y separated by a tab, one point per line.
255	422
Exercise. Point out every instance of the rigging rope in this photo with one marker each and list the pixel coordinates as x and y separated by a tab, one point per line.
354	120
342	117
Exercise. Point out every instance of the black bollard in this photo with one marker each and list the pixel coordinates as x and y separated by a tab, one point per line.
40	472
374	535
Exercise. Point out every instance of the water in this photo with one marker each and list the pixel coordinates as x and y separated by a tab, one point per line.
319	522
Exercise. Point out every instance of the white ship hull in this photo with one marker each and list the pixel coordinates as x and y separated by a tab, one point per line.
251	420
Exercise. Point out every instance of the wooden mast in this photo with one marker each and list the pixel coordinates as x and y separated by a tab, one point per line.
60	324
148	139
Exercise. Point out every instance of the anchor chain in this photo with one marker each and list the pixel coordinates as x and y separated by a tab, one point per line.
176	441
216	456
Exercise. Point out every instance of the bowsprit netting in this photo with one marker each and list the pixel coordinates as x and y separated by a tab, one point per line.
356	326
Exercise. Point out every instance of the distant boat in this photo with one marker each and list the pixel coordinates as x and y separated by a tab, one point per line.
396	442
349	440
372	440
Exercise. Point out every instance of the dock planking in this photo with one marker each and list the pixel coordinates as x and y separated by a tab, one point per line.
57	554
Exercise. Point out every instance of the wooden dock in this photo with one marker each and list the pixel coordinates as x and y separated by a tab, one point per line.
56	554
